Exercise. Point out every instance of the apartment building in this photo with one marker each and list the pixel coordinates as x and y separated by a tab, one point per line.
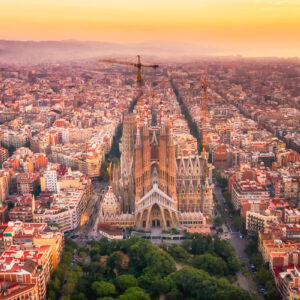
248	190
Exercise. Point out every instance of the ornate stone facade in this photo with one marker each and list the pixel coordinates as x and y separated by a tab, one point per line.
151	183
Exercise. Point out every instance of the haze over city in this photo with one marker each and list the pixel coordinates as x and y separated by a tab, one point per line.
195	27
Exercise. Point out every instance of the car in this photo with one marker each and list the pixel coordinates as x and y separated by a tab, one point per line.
241	237
262	291
253	268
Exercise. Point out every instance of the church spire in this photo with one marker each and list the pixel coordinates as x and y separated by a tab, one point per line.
138	142
170	141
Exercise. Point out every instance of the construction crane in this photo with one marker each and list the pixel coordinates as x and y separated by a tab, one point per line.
109	173
138	65
204	141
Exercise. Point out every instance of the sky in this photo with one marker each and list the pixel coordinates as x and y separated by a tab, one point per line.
246	27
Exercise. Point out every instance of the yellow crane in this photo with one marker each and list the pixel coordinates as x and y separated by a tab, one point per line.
138	65
109	173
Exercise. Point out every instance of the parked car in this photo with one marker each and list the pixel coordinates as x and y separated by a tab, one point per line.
253	268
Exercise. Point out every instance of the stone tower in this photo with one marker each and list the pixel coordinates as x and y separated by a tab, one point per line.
151	182
125	184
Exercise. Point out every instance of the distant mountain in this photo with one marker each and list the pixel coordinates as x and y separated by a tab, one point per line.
32	52
51	51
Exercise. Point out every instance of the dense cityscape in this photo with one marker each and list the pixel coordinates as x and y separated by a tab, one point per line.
183	184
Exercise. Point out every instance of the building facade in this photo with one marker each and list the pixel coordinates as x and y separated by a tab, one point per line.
152	183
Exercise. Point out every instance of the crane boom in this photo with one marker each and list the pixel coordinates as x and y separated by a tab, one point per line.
109	173
116	62
138	66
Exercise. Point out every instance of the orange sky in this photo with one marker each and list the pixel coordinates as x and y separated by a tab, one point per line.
257	27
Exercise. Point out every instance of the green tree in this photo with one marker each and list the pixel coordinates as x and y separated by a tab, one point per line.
11	150
252	246
263	275
256	259
159	262
54	284
191	283
78	296
152	283
227	196
116	260
218	221
103	288
104	171
187	245
134	293
213	265
225	250
178	252
97	269
137	253
51	295
124	282
272	292
238	222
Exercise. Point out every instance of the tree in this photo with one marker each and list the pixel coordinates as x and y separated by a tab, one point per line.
263	275
187	245
191	283
114	150
104	171
124	282
11	150
272	292
94	251
225	250
103	288
137	253
97	269
256	259
10	205
227	196
252	246
78	296
238	222
117	260
51	295
134	293
159	262
218	221
54	284
70	245
178	252
213	265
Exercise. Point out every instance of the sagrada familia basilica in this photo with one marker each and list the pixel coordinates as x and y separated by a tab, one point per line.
153	187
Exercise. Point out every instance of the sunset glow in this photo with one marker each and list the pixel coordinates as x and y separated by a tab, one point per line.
247	25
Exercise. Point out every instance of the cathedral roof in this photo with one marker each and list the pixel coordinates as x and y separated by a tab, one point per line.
109	196
187	216
155	189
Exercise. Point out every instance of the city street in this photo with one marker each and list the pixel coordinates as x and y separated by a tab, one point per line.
237	242
87	230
